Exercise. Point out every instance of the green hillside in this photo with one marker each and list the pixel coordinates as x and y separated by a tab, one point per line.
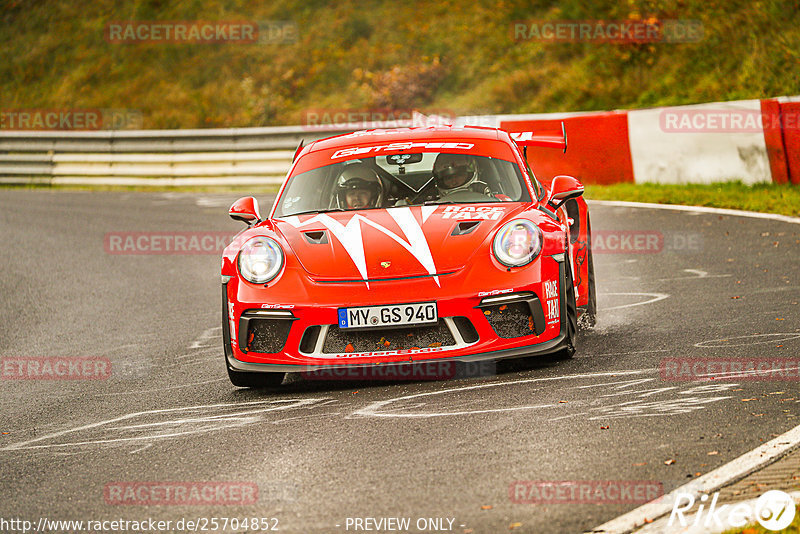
451	55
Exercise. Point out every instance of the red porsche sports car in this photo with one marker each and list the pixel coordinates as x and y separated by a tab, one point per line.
402	246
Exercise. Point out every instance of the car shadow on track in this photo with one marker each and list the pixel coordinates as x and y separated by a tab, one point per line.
460	373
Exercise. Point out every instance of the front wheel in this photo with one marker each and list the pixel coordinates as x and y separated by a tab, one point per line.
571	309
589	317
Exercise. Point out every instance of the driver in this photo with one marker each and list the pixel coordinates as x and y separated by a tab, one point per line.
359	187
457	172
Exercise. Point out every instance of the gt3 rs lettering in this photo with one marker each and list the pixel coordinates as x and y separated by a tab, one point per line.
361	150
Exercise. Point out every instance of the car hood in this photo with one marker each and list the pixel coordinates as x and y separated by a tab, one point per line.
392	243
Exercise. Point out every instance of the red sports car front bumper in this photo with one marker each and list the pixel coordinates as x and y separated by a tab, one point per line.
293	326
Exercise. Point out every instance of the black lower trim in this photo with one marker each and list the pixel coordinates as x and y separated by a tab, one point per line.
548	347
226	328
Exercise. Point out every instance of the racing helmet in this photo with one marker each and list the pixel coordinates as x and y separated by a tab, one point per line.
358	187
454	172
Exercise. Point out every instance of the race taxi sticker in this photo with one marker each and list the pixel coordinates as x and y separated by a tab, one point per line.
232	323
473	212
551	294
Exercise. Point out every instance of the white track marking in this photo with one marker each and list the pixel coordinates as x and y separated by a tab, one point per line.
372	410
208	334
216	350
154	390
304	417
634	352
621	384
195	360
142	448
698	275
697	209
642	405
233	419
654	297
706	484
773	338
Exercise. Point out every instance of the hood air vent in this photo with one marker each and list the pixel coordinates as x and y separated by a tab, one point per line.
316	237
465	227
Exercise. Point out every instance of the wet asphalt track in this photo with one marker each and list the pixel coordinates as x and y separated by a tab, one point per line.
321	452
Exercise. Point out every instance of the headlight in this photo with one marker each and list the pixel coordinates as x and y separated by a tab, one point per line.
517	243
260	260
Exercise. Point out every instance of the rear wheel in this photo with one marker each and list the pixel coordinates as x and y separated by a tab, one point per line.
245	379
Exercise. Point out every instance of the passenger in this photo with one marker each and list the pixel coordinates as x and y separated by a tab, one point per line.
454	173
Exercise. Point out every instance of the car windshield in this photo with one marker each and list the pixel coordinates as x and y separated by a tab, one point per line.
403	180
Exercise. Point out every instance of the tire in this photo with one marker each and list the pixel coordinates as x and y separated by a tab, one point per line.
244	379
589	317
572	316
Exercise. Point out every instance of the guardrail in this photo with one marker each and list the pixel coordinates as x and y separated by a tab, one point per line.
605	147
241	156
233	156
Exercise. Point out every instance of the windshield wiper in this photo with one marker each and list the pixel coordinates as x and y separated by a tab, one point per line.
314	211
437	202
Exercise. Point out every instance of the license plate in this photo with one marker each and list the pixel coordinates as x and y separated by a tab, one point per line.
389	315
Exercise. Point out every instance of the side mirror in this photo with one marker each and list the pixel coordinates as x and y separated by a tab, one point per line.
562	189
246	210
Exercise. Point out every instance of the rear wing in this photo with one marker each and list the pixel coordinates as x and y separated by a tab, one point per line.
549	139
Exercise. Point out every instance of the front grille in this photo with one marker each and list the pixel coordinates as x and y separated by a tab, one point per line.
267	335
341	340
511	320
